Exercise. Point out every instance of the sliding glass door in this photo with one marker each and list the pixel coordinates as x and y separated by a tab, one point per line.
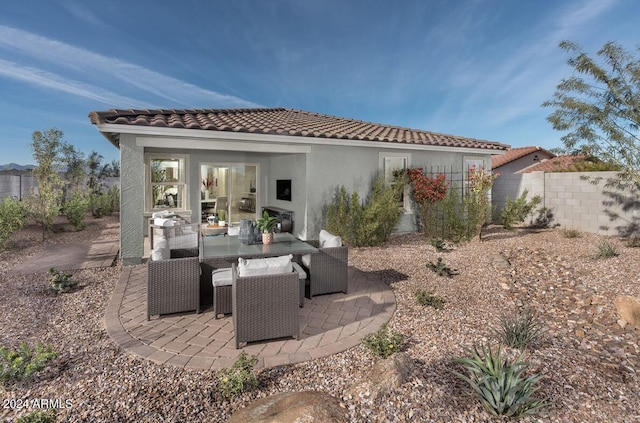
229	191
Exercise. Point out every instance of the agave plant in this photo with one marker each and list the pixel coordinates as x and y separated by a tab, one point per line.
499	384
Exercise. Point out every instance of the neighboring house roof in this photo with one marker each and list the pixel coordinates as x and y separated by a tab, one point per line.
554	164
514	154
287	122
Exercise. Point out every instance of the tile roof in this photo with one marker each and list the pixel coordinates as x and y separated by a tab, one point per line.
280	121
554	164
514	154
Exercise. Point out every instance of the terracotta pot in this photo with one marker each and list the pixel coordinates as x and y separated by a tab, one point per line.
267	238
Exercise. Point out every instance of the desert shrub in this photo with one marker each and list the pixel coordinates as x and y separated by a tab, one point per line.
570	233
445	219
365	224
20	365
40	416
606	249
114	196
520	329
439	244
428	298
12	218
383	343
516	211
61	282
100	204
441	269
75	210
240	377
499	384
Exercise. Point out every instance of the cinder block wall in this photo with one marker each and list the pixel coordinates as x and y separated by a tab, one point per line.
576	203
17	186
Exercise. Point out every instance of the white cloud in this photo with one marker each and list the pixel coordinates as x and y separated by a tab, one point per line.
52	81
60	54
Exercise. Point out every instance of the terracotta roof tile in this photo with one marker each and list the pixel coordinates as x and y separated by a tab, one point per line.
514	154
282	121
555	164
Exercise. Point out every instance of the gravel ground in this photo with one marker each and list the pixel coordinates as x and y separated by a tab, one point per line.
590	363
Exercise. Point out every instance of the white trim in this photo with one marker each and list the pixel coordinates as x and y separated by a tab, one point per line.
234	137
406	199
220	145
147	180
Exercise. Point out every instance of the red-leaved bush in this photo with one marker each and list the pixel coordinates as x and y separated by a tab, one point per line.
427	189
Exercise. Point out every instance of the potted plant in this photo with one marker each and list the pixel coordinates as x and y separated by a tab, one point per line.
266	225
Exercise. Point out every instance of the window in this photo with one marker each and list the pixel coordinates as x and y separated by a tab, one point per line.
390	164
471	162
166	182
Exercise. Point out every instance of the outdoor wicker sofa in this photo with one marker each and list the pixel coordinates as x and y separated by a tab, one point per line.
173	281
265	306
328	270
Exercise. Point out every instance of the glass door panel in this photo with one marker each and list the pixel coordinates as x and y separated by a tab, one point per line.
230	188
243	193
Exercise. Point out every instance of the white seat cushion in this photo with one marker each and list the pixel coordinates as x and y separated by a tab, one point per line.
221	277
306	260
328	240
161	250
265	266
161	221
302	275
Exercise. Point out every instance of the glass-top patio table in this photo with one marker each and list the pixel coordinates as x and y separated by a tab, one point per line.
230	247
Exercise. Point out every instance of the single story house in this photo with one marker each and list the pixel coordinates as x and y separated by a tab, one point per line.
197	162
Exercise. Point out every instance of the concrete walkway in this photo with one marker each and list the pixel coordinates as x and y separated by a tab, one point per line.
71	257
328	324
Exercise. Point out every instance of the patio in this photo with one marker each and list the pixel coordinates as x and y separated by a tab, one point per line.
328	324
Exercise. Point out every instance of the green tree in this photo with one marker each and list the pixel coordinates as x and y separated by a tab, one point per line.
74	168
94	183
47	149
600	106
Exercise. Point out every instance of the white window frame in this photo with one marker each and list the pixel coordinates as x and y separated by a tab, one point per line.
382	157
468	162
182	180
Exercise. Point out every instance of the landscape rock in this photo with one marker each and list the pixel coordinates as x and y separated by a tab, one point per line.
384	376
629	309
290	407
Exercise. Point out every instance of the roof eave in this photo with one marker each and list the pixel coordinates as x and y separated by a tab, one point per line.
112	133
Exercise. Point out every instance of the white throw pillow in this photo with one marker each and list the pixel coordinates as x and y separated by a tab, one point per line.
328	240
160	250
265	266
306	260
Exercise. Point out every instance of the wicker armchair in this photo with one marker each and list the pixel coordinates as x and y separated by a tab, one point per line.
173	276
327	270
265	307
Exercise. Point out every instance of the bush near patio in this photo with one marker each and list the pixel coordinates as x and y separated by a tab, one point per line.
12	218
368	223
449	211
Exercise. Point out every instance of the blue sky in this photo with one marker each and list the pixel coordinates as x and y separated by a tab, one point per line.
475	68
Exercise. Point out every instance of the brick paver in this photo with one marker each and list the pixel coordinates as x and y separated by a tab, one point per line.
329	324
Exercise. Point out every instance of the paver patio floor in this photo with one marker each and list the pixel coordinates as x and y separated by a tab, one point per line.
328	324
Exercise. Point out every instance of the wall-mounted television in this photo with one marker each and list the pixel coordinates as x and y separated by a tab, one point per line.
283	189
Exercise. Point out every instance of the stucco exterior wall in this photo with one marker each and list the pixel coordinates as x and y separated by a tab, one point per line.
294	167
315	177
131	200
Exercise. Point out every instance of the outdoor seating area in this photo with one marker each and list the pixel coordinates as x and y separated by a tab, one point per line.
326	325
262	286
